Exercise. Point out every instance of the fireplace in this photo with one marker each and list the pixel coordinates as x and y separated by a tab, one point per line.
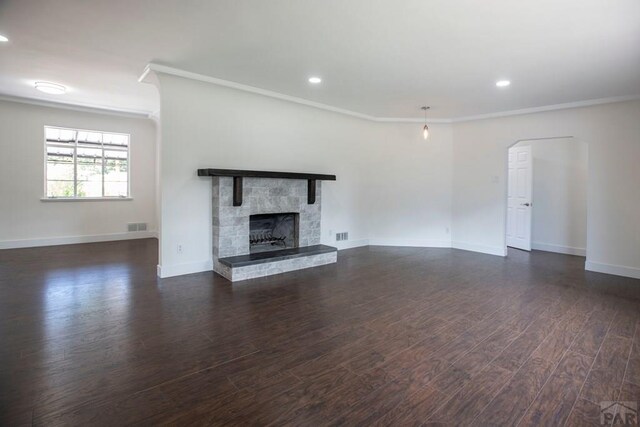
266	223
271	232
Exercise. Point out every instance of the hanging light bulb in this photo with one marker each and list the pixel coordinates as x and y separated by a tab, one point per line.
425	129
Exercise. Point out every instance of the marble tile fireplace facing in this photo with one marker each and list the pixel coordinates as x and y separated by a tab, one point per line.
270	207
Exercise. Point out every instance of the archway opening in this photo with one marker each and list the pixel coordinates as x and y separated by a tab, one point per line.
546	200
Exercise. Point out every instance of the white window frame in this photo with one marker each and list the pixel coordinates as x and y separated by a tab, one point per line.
76	198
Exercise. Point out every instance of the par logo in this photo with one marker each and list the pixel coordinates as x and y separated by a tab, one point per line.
614	413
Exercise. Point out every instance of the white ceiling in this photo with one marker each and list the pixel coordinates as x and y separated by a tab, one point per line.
383	58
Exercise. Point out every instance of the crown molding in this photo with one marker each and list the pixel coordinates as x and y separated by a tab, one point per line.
155	116
532	110
164	69
85	108
147	77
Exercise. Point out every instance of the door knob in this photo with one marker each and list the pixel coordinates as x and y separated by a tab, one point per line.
526	204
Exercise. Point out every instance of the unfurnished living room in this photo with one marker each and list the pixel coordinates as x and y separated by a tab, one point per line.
319	212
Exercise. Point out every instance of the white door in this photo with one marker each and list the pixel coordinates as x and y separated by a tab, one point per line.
519	198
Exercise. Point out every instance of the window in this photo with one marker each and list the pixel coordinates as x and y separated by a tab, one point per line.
86	164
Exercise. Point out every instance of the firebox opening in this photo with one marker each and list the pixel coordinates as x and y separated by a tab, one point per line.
271	232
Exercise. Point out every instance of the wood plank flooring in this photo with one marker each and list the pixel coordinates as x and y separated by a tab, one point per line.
387	336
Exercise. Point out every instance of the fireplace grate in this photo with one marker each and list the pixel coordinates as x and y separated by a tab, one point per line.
267	238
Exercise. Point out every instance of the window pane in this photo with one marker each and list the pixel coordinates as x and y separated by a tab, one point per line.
115	170
59	188
115	189
89	188
60	153
115	139
89	137
59	163
52	133
63	151
89	172
113	154
89	154
59	171
61	135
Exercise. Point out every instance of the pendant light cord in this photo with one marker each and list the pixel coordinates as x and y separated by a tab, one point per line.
425	109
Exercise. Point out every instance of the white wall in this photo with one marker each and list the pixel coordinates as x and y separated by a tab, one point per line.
391	186
559	213
612	132
25	220
410	202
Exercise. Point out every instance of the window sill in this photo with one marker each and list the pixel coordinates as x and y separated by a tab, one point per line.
85	199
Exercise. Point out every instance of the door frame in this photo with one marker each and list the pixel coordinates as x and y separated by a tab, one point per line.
505	195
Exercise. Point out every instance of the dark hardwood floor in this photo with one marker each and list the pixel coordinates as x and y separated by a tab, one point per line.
387	336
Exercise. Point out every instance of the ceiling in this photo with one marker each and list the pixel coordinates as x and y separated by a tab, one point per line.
380	58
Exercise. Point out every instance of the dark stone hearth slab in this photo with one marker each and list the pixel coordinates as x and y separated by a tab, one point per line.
280	255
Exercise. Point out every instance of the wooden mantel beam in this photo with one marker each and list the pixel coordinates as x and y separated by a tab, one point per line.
237	176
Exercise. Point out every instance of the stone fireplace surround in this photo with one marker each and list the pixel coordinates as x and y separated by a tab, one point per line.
231	249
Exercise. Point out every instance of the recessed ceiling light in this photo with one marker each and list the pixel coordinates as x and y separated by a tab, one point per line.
503	83
3	39
51	88
315	80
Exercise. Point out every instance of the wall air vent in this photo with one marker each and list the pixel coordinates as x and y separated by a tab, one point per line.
137	226
342	236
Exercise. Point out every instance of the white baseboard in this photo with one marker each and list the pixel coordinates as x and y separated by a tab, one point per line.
348	244
473	247
568	250
186	268
416	243
617	270
70	240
